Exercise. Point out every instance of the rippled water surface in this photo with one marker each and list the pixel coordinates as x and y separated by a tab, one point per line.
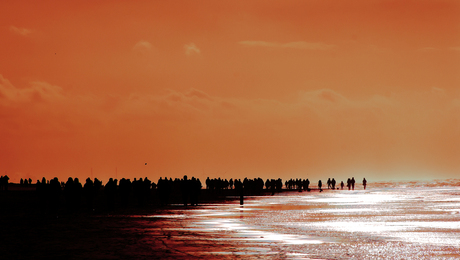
391	221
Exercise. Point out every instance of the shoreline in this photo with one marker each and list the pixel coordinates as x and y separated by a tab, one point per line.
33	230
24	199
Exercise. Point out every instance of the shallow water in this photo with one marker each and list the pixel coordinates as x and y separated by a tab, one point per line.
388	220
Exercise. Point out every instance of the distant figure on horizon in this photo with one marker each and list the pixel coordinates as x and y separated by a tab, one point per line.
341	185
320	184
353	183
4	182
185	189
364	183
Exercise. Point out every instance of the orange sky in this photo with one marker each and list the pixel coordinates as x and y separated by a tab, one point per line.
290	89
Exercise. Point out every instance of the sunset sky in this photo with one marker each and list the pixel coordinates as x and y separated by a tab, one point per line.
290	89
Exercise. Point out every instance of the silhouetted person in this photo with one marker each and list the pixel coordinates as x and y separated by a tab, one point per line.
320	184
273	186
146	190
333	182
110	190
279	184
341	185
364	183
185	190
195	190
239	187
349	183
97	186
76	193
88	191
137	189
4	182
53	192
164	188
68	192
208	183
353	183
124	189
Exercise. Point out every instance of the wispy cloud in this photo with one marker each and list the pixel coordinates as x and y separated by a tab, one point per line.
20	31
38	91
293	45
142	47
191	49
322	130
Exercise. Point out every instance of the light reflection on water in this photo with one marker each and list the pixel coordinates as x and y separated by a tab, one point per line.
397	223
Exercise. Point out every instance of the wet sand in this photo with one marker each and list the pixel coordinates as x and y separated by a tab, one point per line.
33	231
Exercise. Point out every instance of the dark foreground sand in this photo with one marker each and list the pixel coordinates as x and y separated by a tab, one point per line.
33	231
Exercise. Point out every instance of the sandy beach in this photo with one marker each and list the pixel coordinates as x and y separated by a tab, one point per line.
380	223
34	230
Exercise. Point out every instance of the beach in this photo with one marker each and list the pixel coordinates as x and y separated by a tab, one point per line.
387	221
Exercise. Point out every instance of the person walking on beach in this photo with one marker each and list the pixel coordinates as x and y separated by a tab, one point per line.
353	183
320	184
364	183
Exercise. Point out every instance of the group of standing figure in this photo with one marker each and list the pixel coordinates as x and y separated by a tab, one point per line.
190	190
350	184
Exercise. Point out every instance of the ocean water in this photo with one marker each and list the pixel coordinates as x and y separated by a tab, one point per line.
393	220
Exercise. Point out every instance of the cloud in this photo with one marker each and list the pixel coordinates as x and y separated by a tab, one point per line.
191	49
20	31
38	91
318	132
7	91
198	93
330	95
438	91
292	45
142	47
45	91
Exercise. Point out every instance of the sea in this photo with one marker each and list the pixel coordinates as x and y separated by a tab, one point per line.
387	220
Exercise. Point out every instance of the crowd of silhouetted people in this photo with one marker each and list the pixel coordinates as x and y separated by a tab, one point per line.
297	184
187	191
25	181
